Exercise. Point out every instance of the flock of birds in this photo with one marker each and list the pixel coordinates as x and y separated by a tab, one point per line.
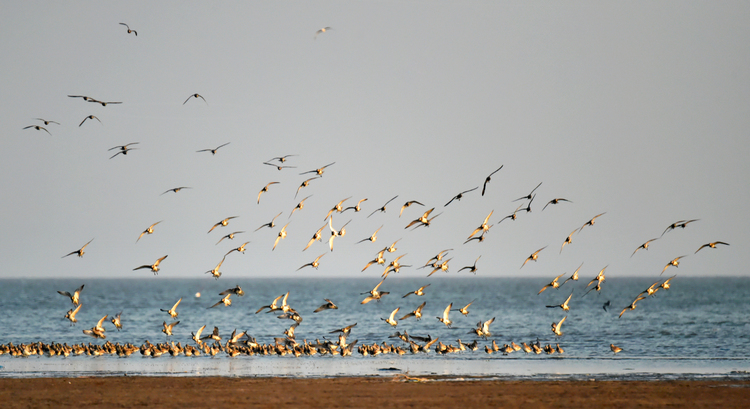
287	343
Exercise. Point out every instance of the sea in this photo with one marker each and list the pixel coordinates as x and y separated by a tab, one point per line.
697	329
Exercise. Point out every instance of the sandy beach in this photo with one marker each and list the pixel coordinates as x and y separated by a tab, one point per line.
398	391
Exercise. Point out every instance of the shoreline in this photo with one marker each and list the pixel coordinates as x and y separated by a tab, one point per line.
365	392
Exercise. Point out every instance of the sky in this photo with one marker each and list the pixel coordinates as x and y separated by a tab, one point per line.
638	110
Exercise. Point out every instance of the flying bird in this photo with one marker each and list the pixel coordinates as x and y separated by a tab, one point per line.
417	313
195	96
355	208
304	184
176	189
712	245
317	236
281	235
240	249
679	223
533	256
78	252
279	167
488	178
299	206
460	195
556	327
75	297
173	311
270	224
281	159
329	305
590	222
419	291
445	319
465	309
318	171
129	30
555	201
222	223
484	227
321	31
314	264
149	230
382	209
373	237
46	122
553	284
407	204
154	267
530	195
472	268
213	151
568	240
229	236
89	117
38	128
265	189
237	290
71	314
564	305
643	246
631	306
675	262
104	103
337	208
573	276
225	300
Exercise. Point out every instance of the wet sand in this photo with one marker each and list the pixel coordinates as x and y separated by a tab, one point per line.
180	392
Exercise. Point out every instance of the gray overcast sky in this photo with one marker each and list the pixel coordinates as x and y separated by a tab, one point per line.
636	109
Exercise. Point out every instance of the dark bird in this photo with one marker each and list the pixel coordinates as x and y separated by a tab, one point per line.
712	245
643	246
89	117
124	149
488	178
270	224
237	290
38	128
78	252
281	159
555	201
129	30
355	208
314	264
304	184
606	305
680	223
590	222
407	204
46	122
299	206
104	103
265	188
213	151
529	196
329	305
195	96
382	209
176	189
279	167
472	268
460	195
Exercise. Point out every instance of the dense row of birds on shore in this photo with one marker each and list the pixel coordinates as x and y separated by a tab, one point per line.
287	343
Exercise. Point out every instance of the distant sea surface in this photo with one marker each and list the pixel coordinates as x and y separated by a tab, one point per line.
700	327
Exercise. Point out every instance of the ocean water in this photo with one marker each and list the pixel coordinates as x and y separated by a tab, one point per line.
697	328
